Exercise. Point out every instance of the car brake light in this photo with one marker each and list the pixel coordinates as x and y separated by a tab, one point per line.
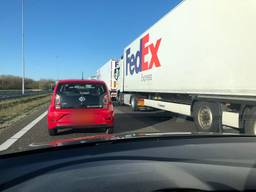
106	101
57	102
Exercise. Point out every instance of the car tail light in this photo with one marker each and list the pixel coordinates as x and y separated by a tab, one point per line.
57	102
106	101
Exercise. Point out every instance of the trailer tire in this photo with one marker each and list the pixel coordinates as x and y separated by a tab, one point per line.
134	106
207	117
120	99
250	121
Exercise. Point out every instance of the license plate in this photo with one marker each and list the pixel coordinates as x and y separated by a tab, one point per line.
82	118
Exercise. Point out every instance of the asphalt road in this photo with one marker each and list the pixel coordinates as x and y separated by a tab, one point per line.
125	121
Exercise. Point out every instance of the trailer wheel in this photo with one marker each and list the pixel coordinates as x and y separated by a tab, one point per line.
250	121
120	98
134	103
207	117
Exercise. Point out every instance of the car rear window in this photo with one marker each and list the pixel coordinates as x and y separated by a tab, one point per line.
81	95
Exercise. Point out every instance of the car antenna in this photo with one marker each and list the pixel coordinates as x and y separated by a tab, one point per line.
82	75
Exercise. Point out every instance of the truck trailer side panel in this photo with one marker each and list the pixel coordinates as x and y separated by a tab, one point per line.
106	74
200	47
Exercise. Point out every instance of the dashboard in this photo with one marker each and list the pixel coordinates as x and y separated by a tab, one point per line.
200	163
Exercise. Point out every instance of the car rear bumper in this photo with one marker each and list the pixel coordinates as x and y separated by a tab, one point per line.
92	118
83	126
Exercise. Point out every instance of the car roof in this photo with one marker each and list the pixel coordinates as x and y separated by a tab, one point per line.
80	81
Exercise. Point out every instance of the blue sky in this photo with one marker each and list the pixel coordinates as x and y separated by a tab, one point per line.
65	37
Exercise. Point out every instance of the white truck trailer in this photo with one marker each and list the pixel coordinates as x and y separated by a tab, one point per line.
106	74
199	60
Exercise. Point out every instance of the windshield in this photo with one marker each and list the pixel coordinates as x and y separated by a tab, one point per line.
75	95
86	71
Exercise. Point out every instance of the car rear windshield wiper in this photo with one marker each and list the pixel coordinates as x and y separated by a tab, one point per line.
94	106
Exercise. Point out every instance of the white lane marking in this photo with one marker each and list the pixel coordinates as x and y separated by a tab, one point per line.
9	142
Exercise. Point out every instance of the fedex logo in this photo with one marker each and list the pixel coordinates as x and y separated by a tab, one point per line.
136	62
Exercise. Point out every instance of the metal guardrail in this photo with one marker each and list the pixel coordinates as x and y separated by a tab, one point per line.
12	94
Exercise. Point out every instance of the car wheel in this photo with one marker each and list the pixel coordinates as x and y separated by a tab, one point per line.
52	132
110	130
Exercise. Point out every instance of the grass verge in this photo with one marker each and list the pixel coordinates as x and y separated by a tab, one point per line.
14	110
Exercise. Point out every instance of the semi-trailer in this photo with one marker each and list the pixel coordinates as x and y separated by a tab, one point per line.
106	73
199	60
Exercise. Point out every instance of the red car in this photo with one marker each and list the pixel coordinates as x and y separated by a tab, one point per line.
80	103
